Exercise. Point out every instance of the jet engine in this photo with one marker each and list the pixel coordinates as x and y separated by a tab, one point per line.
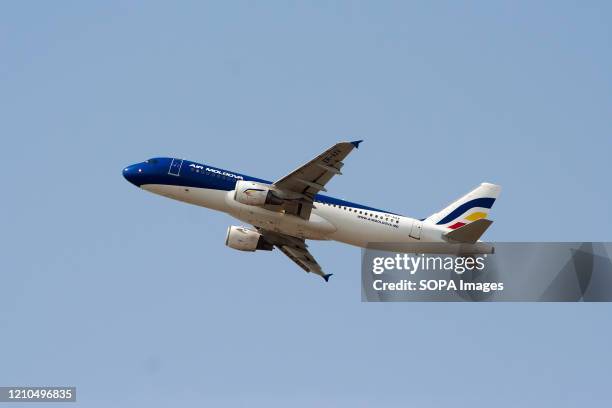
258	194
244	239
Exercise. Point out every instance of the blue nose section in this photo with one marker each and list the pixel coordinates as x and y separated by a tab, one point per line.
134	174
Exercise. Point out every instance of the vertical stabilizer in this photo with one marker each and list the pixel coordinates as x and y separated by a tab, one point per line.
473	206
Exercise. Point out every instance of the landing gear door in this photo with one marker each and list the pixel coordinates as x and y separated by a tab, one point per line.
175	167
415	230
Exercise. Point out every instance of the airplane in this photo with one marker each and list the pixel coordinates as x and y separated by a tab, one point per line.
287	212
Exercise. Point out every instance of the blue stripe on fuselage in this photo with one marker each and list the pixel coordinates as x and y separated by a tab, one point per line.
198	175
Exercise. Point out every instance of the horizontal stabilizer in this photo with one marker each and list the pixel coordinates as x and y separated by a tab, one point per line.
469	233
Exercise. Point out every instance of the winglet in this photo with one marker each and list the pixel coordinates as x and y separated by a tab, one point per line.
356	143
327	276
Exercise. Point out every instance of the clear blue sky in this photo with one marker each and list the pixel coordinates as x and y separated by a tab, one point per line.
135	299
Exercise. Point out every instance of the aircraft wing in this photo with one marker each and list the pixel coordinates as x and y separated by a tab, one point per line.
296	249
309	179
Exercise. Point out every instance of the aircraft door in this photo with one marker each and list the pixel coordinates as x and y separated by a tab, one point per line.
175	167
415	230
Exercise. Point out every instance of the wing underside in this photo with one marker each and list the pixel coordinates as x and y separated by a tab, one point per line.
296	249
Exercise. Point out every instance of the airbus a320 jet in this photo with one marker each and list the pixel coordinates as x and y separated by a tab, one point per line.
287	212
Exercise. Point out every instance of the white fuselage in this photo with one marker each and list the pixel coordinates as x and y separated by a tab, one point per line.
349	225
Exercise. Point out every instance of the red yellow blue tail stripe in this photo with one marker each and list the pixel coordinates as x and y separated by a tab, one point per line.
457	213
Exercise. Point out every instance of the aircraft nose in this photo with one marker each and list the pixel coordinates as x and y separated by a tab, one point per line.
133	174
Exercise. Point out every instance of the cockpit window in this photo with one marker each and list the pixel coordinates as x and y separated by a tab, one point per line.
151	161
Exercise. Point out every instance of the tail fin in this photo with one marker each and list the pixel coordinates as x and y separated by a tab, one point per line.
473	206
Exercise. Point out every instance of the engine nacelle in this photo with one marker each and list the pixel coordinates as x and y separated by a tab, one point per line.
244	239
258	194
